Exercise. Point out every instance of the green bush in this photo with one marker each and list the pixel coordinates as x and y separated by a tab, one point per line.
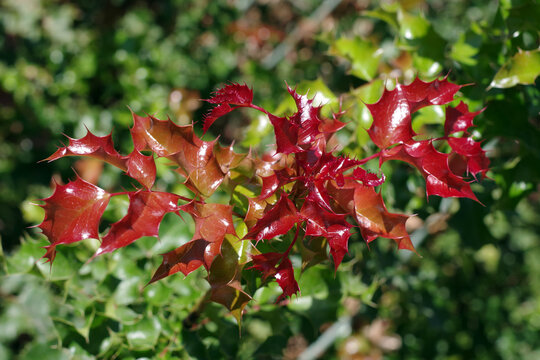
473	294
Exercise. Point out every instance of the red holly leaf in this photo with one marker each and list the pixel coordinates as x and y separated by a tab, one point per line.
286	135
434	167
231	94
474	156
215	114
194	156
186	259
369	210
163	137
234	94
306	118
285	278
269	186
266	263
142	168
458	118
279	219
90	145
334	227
212	221
145	212
73	213
284	273
392	113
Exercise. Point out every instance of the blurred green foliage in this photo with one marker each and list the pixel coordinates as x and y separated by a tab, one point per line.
475	292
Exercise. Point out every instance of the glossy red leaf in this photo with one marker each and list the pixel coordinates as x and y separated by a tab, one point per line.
97	147
434	167
284	273
73	213
269	186
194	156
185	259
266	263
215	114
458	118
367	178
142	168
307	118
279	219
212	221
285	279
392	113
234	94
286	135
145	212
369	210
476	160
391	118
334	227
163	137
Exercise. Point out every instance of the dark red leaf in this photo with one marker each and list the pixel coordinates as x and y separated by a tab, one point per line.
142	168
286	135
266	263
369	210
186	259
97	147
392	113
269	186
285	279
367	178
284	274
145	212
215	114
458	118
476	159
334	227
73	213
234	94
306	118
433	165
279	219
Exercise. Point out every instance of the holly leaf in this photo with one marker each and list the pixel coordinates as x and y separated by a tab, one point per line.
185	259
522	68
73	213
369	210
194	156
286	135
334	227
285	279
459	118
231	94
141	168
392	113
97	147
234	94
145	212
278	220
284	273
434	167
214	114
472	154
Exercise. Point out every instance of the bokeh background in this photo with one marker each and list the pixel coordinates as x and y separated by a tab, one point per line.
70	65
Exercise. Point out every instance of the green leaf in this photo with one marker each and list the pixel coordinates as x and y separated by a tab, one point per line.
362	54
464	52
522	68
144	334
412	26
